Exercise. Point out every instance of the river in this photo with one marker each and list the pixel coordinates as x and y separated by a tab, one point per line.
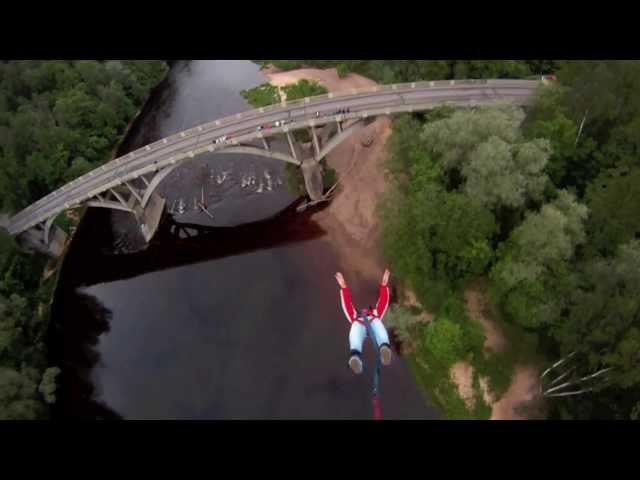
235	317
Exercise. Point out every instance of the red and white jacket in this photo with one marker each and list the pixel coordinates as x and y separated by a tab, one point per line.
352	314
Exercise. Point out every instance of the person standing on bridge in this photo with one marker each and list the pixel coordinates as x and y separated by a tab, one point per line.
359	320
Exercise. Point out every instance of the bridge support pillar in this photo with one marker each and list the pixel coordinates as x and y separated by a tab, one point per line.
294	154
149	217
316	144
312	172
33	240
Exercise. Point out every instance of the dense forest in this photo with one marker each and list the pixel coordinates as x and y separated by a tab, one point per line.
58	119
544	203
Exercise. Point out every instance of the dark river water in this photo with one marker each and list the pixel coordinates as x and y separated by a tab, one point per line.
235	317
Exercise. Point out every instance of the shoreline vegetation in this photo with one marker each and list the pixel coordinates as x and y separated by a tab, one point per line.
58	120
513	227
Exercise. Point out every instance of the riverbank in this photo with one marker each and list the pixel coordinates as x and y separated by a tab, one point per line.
354	229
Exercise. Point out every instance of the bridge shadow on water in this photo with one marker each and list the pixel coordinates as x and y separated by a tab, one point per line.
178	244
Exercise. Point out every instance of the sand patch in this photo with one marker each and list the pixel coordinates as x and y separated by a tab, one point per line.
522	400
462	376
328	78
475	305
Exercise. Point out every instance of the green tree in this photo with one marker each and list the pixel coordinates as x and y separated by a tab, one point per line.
615	210
48	385
262	95
453	139
303	88
533	271
603	317
437	236
499	174
18	395
342	69
444	341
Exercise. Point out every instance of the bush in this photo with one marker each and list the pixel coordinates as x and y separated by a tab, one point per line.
329	178
295	180
403	323
302	89
443	340
342	70
262	95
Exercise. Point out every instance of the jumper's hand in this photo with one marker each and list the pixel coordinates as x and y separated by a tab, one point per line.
340	280
385	276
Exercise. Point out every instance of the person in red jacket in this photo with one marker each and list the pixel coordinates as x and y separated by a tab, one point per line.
357	319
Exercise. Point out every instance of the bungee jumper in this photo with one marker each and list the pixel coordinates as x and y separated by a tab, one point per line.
365	322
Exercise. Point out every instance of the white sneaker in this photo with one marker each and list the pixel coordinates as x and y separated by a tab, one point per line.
385	354
355	364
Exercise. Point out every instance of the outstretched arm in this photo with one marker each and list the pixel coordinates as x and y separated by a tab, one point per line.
345	298
383	297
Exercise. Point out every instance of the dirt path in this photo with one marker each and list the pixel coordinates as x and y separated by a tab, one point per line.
475	305
520	401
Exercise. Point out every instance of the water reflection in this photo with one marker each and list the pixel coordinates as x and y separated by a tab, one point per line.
81	320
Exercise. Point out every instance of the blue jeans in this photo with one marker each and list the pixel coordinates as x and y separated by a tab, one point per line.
358	333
